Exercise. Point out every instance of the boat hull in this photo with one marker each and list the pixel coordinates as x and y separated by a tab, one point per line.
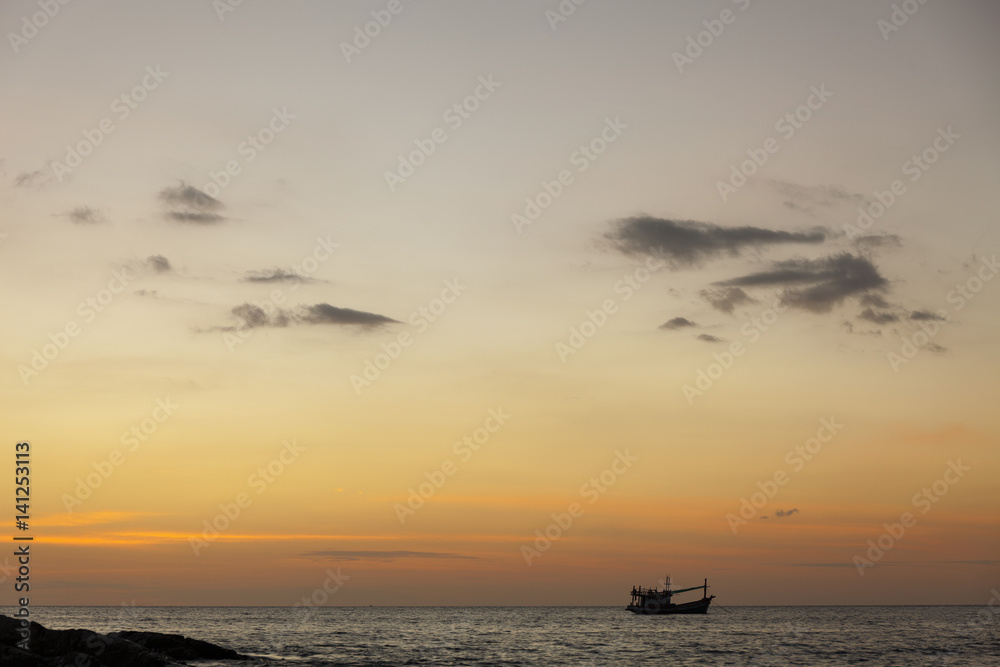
653	608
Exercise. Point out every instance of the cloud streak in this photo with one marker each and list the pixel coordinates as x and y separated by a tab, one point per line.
324	313
817	285
275	276
387	555
188	204
85	215
726	299
252	316
677	323
689	243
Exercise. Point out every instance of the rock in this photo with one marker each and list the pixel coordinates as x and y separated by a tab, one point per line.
85	648
179	647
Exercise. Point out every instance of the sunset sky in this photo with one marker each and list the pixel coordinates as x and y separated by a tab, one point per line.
621	261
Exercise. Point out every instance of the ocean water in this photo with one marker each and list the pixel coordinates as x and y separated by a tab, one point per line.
294	637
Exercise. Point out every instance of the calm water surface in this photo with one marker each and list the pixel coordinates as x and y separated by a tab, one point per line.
564	635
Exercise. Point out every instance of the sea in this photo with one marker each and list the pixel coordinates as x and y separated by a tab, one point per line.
308	636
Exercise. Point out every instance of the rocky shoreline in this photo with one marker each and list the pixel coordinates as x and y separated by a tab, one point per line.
86	648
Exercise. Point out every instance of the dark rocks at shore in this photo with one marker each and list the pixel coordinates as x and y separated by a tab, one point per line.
179	647
85	648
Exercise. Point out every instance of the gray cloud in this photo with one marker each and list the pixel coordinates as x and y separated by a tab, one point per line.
30	179
922	563
324	313
188	204
709	338
195	217
385	555
817	285
878	241
255	316
726	299
689	243
927	316
877	317
188	195
874	300
158	263
677	323
807	198
85	215
784	513
275	276
252	317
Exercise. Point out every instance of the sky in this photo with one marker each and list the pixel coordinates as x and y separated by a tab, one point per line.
519	303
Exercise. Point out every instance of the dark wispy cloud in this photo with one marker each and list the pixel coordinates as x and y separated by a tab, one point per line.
817	285
877	317
871	242
31	179
726	299
922	563
85	215
874	300
677	323
254	316
195	217
690	243
251	316
158	263
188	204
275	276
386	555
324	313
808	198
927	316
709	338
188	195
784	513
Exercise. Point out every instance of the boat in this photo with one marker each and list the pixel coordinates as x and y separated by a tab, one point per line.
655	601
